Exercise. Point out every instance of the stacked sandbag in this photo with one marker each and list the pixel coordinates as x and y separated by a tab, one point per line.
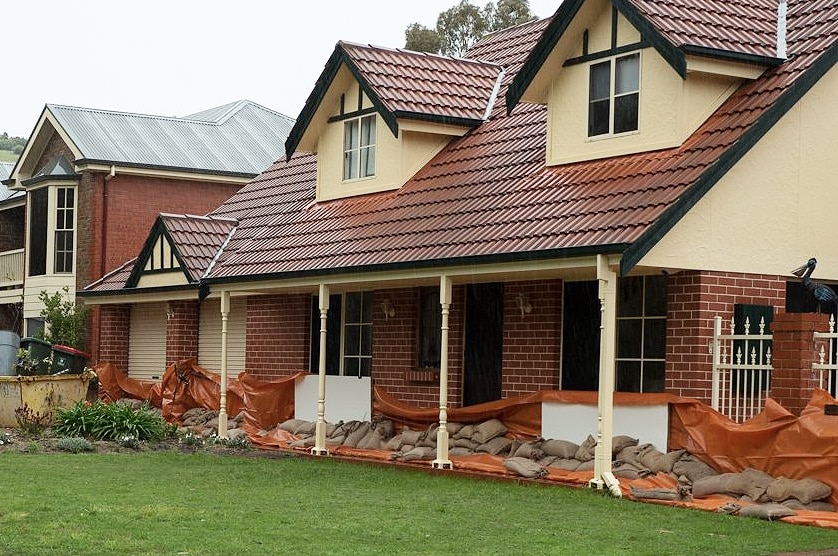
762	489
203	422
367	435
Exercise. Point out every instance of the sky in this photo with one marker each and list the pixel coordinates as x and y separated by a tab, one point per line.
178	57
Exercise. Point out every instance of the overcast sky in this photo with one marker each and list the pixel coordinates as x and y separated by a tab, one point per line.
177	57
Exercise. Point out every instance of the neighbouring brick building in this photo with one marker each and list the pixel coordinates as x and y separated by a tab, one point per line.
93	181
578	194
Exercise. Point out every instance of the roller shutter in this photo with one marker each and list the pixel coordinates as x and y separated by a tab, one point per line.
209	335
147	341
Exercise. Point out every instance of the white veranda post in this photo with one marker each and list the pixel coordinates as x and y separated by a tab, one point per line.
605	405
442	461
319	448
222	409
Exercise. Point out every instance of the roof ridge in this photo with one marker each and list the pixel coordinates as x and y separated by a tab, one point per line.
129	114
198	217
418	53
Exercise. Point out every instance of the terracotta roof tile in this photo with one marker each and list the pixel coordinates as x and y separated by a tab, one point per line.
198	239
741	26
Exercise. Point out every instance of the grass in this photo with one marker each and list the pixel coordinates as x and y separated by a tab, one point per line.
7	156
194	504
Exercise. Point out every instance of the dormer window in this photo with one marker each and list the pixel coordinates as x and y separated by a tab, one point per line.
614	95
359	148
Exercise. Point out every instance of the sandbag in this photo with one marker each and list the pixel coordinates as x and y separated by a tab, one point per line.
816	506
565	464
466	431
525	467
529	450
770	511
411	436
620	442
355	436
560	448
495	446
692	468
489	430
419	452
372	441
457	451
805	490
291	425
631	455
586	450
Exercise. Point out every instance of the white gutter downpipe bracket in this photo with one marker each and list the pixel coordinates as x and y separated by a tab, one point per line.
782	11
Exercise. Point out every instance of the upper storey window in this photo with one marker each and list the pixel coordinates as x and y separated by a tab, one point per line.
359	147
614	96
64	228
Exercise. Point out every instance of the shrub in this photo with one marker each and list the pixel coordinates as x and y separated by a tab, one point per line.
6	438
110	422
190	439
76	420
74	444
129	441
65	320
117	420
30	423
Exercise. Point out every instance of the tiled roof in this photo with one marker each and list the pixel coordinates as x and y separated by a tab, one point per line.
242	138
415	83
114	280
741	26
198	239
411	85
489	194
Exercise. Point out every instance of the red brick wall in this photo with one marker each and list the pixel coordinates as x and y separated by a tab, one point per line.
277	334
54	147
793	380
182	331
115	327
531	341
694	299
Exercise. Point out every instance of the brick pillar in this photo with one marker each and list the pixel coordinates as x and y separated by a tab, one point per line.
182	331
792	380
113	336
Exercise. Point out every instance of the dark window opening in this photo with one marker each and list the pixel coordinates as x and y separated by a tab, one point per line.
430	329
37	254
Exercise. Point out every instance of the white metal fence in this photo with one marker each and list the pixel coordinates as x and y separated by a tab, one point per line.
826	365
741	369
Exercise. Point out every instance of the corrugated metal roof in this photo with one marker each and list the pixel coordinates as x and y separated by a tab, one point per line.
5	194
239	138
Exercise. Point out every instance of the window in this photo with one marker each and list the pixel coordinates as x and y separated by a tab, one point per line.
357	335
359	148
65	206
37	254
641	334
614	95
430	328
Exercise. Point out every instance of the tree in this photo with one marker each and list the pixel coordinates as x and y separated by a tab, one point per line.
508	13
460	26
421	39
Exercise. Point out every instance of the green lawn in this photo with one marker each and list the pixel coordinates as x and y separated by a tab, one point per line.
189	504
7	156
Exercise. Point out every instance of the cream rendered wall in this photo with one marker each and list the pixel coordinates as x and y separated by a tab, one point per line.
776	207
174	278
397	159
670	108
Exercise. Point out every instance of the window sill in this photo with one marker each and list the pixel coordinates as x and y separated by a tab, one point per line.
422	375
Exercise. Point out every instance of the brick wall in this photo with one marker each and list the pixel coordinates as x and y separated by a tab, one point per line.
182	331
55	146
277	334
694	298
12	228
115	324
531	341
792	379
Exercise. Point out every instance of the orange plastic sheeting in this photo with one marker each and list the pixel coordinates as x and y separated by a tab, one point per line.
186	385
521	414
115	384
775	441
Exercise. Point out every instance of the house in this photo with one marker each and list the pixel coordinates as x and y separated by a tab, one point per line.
566	208
11	252
93	181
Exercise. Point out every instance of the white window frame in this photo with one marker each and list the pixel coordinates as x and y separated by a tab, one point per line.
355	153
60	211
612	95
365	324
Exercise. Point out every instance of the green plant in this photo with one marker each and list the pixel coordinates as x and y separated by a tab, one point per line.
239	442
190	439
6	438
74	444
31	423
65	320
129	441
116	420
28	366
33	447
76	420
